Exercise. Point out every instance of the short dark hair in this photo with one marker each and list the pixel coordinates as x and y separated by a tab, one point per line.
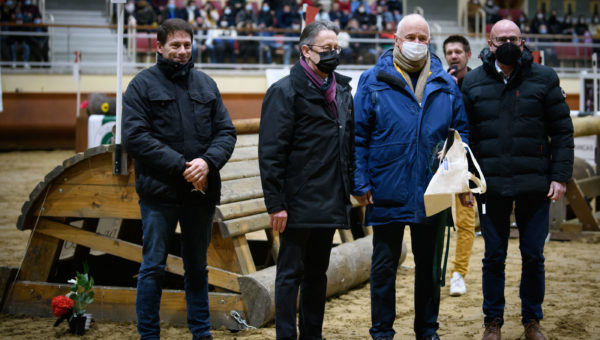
458	39
173	25
310	32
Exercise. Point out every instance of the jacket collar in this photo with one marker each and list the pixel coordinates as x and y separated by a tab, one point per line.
306	88
489	62
173	70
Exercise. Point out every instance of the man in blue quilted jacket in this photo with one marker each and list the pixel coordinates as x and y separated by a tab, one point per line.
404	106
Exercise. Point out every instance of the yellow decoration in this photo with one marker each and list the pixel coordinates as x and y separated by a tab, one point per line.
104	107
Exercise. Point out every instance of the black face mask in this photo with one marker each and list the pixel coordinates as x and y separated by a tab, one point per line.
508	54
328	61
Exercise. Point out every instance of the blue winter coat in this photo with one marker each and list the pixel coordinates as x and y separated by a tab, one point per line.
395	138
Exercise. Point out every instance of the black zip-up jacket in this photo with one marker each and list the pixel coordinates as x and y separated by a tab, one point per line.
305	152
521	132
173	113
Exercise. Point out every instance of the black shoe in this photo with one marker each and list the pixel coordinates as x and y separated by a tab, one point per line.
204	338
384	338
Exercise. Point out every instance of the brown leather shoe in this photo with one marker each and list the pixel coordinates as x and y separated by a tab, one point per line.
492	330
533	331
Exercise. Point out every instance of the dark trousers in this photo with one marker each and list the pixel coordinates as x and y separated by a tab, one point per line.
532	217
387	248
302	264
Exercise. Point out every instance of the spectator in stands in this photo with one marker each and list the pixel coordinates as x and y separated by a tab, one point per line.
473	7
538	20
380	17
221	42
236	6
227	16
567	25
129	11
39	43
30	11
211	14
172	11
554	25
6	16
192	13
265	46
492	12
249	49
337	15
247	14
266	16
179	144
550	56
19	44
581	26
363	53
287	19
522	21
322	15
365	20
145	15
345	6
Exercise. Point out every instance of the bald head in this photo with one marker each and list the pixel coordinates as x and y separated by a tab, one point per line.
505	27
413	23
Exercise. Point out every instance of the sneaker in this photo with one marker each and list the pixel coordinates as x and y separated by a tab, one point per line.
533	331
492	330
457	285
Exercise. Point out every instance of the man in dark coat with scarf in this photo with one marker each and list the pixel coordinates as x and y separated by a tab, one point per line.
305	158
179	133
522	137
404	106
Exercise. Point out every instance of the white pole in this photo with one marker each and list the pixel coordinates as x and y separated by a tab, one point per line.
77	76
595	79
117	155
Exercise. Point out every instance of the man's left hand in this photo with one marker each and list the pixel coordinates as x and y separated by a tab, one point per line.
196	170
557	190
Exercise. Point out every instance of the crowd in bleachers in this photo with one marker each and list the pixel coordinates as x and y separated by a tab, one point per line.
22	16
277	20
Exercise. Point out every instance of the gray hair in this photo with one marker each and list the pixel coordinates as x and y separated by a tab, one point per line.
412	16
311	31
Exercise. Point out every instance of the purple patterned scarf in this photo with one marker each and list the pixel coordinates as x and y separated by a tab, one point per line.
329	91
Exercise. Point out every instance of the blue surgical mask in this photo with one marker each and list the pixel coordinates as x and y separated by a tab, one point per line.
27	2
543	31
227	11
9	3
37	21
171	6
266	8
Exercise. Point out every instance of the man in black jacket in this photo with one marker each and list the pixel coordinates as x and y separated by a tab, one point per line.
305	151
179	133
522	137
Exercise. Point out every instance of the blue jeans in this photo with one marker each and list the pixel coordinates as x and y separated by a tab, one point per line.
302	263
158	225
387	248
532	216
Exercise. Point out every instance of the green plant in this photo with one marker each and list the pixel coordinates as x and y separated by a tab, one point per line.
81	293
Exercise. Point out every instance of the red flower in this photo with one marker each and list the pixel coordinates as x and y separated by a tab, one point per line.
61	305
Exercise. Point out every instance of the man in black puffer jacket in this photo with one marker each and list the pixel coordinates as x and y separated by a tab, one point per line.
522	136
179	133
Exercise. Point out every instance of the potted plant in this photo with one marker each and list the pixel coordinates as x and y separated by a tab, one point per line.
72	306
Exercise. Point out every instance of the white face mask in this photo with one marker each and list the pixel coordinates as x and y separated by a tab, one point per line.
414	51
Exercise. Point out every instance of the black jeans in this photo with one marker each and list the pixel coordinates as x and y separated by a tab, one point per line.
302	263
387	248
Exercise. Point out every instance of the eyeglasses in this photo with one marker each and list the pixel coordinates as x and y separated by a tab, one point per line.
502	40
338	50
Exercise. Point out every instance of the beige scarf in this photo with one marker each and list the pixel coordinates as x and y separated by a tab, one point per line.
412	67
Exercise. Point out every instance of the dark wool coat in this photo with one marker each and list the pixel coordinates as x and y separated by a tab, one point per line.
521	132
305	152
171	116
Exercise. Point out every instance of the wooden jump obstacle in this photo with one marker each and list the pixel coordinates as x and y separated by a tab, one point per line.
582	191
73	200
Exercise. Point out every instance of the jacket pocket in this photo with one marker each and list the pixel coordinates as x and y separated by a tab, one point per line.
389	170
165	120
203	107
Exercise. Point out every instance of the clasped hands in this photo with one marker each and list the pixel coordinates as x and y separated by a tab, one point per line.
196	172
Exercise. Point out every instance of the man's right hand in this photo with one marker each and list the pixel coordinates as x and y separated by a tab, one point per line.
365	199
278	220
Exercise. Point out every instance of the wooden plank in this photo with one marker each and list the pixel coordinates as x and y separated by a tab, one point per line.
221	253
246	140
241	189
244	153
239	209
129	251
580	206
118	303
244	256
590	186
243	225
240	169
7	277
273	237
95	170
90	201
40	256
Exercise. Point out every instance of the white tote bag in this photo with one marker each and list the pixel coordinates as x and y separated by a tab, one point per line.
452	177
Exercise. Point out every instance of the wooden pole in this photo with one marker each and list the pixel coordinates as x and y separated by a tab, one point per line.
586	126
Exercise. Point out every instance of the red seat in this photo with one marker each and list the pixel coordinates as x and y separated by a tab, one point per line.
145	43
